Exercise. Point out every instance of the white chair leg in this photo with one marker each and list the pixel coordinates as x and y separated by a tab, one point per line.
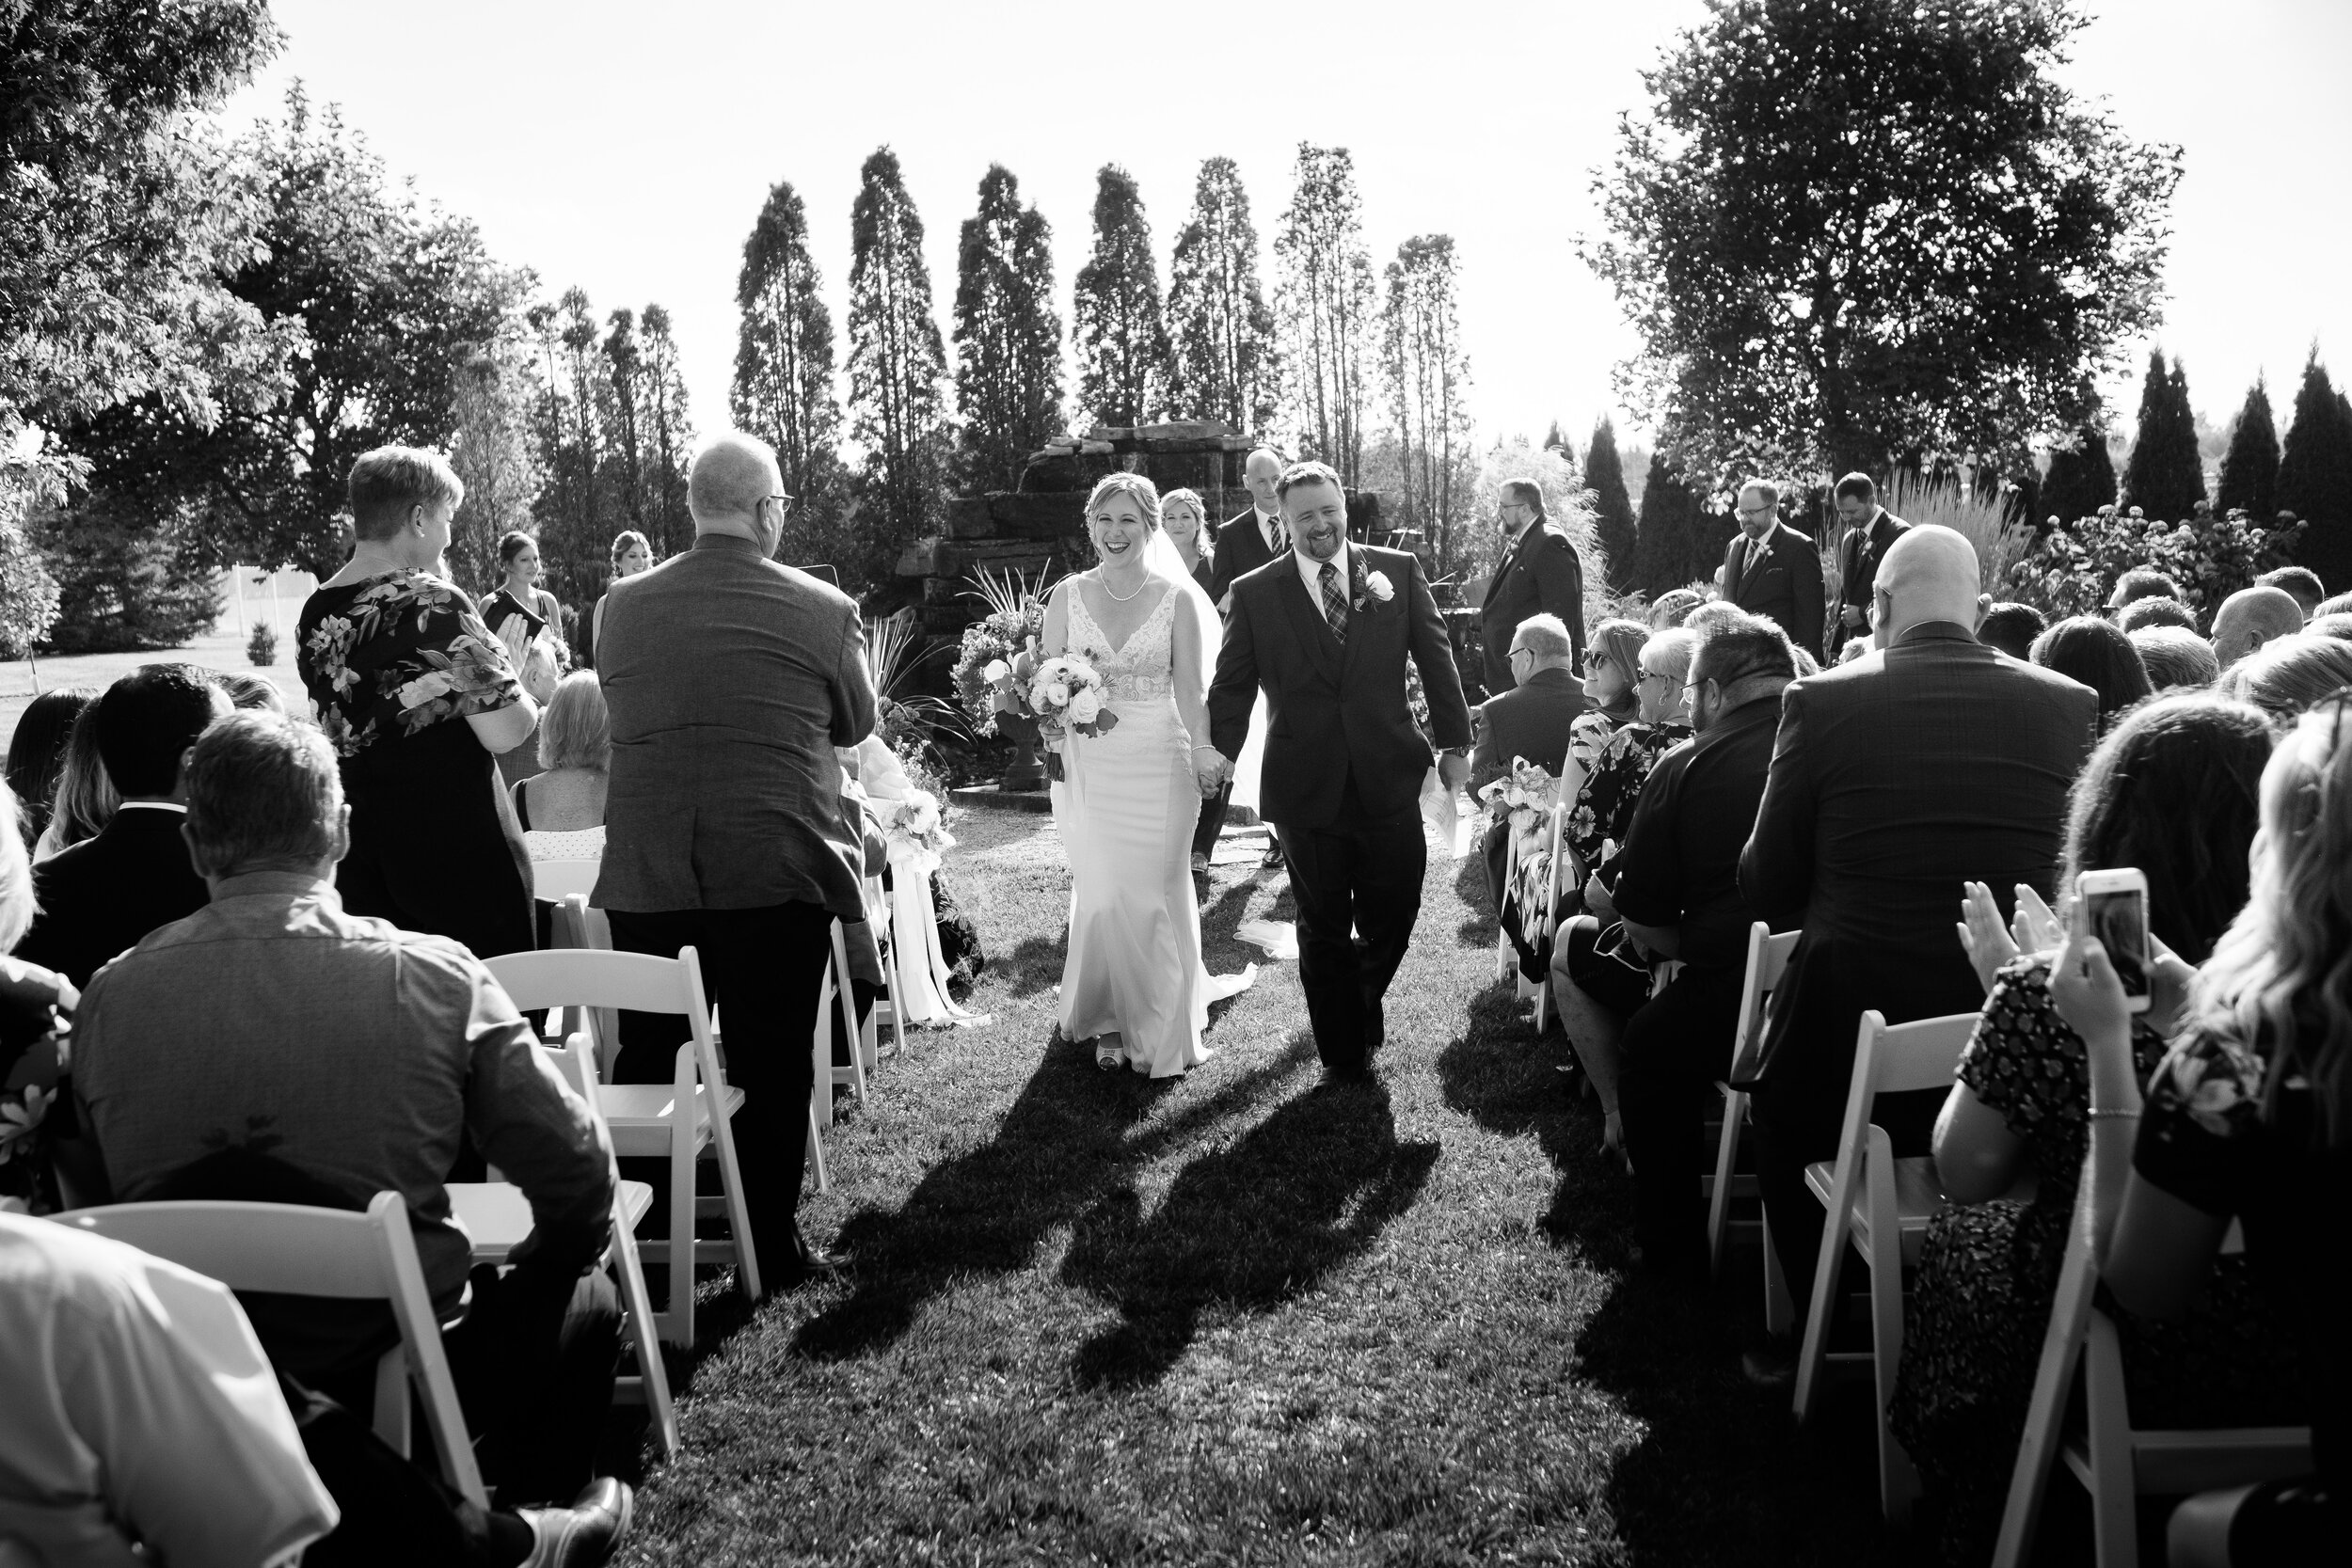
1824	1305
1899	1482
391	1399
2114	1482
644	1337
847	999
816	1152
1719	1198
677	1323
1780	1308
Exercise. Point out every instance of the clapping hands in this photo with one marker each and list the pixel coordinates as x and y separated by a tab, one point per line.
1989	943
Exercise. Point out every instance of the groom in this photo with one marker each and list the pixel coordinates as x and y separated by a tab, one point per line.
1324	629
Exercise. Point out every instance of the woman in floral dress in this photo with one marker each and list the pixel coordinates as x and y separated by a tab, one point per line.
418	697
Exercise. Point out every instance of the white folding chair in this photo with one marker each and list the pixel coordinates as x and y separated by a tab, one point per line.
1768	960
879	910
498	1217
677	1121
836	987
1883	1204
288	1249
552	881
2115	1460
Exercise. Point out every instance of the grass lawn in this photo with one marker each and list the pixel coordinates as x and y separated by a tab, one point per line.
1228	1320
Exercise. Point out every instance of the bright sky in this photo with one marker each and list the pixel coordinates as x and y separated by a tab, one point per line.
628	147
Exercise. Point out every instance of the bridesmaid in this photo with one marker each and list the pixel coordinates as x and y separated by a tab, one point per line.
1185	521
632	553
517	609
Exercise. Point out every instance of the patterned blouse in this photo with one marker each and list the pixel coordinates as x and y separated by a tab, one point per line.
391	656
1613	786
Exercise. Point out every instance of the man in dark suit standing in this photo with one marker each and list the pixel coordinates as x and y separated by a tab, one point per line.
1325	633
1771	569
1870	532
1540	573
101	897
1530	721
1256	536
1895	778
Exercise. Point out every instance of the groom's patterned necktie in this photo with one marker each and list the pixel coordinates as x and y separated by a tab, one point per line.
1334	602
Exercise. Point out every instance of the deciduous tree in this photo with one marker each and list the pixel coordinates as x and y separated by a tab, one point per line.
1121	332
1427	376
491	448
897	360
1323	303
1007	336
1225	359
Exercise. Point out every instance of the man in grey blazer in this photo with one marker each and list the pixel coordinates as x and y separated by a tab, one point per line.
730	679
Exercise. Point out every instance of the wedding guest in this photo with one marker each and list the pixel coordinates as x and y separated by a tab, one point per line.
2156	610
1985	751
2143	582
1540	573
517	610
1613	673
250	692
1672	608
1185	518
84	800
731	679
102	896
2172	792
1770	569
418	697
1870	532
1533	722
2250	1116
2290	675
2299	581
37	754
1252	538
2340	605
2093	652
560	810
632	555
2252	617
2336	627
35	1005
273	1040
2175	658
2011	628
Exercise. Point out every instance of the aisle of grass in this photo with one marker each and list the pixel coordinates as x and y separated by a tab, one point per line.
1231	1319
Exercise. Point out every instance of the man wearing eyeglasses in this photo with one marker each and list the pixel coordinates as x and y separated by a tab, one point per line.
1771	569
1540	573
1870	532
1530	721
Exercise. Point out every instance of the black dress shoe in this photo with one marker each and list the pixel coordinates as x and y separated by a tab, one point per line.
584	1534
796	1263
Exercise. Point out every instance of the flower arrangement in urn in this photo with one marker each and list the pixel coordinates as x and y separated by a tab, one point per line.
996	644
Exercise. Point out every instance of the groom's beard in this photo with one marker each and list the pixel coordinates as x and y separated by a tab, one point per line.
1321	546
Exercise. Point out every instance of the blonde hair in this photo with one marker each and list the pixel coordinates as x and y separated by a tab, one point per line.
85	799
1145	494
1188	498
17	908
577	731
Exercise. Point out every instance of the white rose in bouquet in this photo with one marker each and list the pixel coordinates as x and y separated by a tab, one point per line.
1057	693
1084	706
997	670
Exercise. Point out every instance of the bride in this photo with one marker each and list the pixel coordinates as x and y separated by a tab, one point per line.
1133	980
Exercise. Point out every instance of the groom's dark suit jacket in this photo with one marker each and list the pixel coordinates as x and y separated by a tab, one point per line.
1333	711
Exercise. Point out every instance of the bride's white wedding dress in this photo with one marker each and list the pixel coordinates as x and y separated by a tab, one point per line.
1126	809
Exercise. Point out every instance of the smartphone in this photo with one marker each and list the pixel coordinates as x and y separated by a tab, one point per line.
2115	903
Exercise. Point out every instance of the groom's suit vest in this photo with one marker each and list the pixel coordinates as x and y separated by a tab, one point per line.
1336	711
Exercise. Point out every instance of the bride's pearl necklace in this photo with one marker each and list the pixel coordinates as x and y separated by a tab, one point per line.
1117	597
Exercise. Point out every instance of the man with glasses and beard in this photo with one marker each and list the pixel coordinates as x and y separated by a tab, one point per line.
1770	569
1540	573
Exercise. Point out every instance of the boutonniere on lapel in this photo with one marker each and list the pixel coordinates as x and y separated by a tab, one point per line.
1370	588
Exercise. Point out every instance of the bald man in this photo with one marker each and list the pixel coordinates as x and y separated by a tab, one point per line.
1929	763
731	679
2252	617
1256	536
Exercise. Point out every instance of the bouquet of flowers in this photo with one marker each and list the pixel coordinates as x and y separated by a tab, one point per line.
917	832
1070	692
1524	800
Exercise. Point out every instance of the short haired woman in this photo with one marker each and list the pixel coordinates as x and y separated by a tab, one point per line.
560	810
632	553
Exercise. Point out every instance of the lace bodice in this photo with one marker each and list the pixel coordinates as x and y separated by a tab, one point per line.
1144	669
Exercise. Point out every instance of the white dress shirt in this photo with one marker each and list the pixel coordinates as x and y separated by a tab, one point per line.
1311	572
1270	529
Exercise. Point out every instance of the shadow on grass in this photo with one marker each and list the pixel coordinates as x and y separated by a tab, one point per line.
1033	966
1470	886
1248	1228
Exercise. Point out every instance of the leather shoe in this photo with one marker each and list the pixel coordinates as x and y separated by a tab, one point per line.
584	1534
796	1263
1771	1368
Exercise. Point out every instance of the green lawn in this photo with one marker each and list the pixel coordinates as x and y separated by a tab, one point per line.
1229	1318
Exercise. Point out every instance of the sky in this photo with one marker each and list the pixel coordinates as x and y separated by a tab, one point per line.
628	149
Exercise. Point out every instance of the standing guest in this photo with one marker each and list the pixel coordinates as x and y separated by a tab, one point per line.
2156	610
2143	582
101	897
517	610
632	554
2301	582
2090	650
1895	778
1678	890
84	800
2252	617
2175	658
393	659
1252	538
1534	721
1870	532
731	679
250	692
2011	628
1540	573
1770	569
1183	518
274	1044
1674	606
2289	675
37	754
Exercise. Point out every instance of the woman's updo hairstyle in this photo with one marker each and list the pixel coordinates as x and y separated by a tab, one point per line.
512	546
1147	497
627	540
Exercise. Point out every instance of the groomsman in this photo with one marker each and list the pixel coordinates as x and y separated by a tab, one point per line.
1872	531
1256	536
1771	569
1540	573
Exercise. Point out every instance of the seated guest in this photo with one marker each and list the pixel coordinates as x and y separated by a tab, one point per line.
84	800
2250	1116
1934	729
2011	628
33	1003
2289	675
2172	792
1678	890
2156	611
2299	581
271	1043
2338	626
1612	668
2091	651
2340	605
37	754
562	810
2175	658
101	897
1534	721
1670	609
250	692
2252	617
2143	582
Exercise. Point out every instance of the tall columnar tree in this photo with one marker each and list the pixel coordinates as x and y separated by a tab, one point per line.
782	389
623	366
1604	475
2081	478
2165	477
1825	275
1323	303
1007	336
1123	354
2316	477
1677	541
1427	376
2249	473
1225	360
898	365
665	425
492	450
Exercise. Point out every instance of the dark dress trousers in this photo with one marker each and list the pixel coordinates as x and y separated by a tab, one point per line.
1893	779
1241	549
1342	772
101	897
1529	722
731	679
1858	557
1541	573
1786	585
